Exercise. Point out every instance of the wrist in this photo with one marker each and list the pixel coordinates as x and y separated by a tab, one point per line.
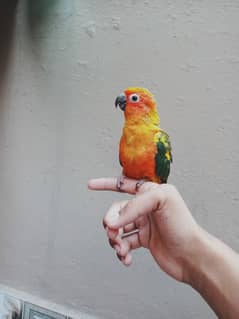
213	270
201	254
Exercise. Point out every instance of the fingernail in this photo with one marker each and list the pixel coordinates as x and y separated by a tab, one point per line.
112	233
89	184
128	260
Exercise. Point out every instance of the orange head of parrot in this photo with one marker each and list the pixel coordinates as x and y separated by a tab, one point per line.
137	104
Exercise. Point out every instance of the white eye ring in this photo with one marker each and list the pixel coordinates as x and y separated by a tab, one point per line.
134	98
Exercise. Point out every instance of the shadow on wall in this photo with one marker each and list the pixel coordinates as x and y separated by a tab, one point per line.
7	27
38	15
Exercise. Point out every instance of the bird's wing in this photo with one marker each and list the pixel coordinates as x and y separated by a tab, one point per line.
163	157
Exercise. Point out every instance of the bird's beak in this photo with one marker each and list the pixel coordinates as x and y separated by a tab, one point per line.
121	101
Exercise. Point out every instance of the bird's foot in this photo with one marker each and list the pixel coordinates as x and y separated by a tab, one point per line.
120	182
139	184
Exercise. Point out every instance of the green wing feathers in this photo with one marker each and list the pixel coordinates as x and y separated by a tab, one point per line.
163	157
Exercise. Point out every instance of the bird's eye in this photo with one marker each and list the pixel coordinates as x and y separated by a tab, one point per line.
134	98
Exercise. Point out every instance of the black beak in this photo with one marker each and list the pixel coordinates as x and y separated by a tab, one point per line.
121	101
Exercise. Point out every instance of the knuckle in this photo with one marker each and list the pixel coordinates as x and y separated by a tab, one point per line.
170	188
147	186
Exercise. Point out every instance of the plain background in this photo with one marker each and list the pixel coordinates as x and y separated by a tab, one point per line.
62	64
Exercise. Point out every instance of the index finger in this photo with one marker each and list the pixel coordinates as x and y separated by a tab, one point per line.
110	184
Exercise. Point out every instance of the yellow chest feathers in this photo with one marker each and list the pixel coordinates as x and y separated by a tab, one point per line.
138	140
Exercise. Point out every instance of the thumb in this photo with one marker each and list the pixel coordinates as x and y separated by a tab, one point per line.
139	206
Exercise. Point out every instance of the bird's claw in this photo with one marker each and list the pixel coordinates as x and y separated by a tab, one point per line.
139	184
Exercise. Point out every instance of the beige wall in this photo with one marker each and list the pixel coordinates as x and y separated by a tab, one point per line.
62	65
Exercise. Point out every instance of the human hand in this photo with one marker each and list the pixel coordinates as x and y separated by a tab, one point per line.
161	218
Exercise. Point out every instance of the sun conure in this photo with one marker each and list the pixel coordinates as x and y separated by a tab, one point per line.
145	149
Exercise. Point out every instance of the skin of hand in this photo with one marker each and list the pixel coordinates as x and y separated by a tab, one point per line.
178	244
166	226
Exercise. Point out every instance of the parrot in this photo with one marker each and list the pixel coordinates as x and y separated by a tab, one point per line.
145	151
